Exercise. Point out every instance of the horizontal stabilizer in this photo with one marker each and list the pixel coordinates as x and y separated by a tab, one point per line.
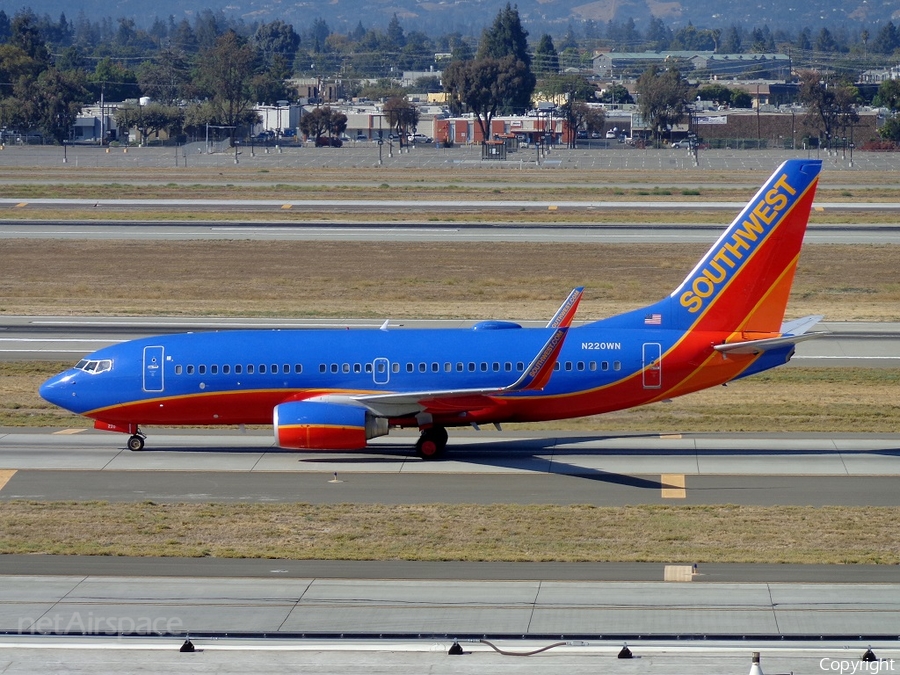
764	345
800	326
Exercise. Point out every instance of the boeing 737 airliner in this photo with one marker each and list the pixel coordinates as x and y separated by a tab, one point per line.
335	389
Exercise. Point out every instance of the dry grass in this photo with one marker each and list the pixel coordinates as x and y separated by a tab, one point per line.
437	532
402	280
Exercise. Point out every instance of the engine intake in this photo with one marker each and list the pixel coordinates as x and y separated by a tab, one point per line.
317	425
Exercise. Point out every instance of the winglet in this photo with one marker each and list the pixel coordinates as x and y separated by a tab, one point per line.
538	372
566	311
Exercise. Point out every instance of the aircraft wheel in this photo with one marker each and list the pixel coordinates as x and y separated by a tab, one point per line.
135	443
431	443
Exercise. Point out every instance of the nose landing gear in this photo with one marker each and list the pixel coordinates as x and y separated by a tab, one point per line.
136	441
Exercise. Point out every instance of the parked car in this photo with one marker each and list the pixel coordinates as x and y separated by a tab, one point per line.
361	137
677	145
418	138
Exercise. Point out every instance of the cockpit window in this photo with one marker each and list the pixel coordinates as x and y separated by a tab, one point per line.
94	367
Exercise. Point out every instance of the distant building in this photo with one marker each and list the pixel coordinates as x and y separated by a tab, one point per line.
770	66
632	64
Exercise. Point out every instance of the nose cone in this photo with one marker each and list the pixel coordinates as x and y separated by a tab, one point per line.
60	390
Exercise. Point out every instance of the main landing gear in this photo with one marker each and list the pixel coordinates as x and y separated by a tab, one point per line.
431	443
136	441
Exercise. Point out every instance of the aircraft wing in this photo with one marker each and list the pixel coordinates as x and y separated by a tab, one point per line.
792	333
535	378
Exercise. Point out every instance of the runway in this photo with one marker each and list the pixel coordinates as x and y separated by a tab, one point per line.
481	468
428	232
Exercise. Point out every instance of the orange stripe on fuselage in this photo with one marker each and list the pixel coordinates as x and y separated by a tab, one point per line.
227	407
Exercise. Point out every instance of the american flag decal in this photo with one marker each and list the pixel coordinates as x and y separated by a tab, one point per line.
653	319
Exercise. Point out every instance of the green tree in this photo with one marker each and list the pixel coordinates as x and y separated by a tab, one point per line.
830	109
483	86
505	37
276	39
662	99
57	99
616	93
323	121
732	43
887	40
167	77
224	74
890	130
113	81
888	95
546	59
504	49
717	93
402	116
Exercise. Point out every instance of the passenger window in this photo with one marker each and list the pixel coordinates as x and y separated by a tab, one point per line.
395	368
459	367
201	370
604	365
568	365
368	367
286	368
249	368
580	365
617	365
422	367
346	368
556	366
298	368
496	367
226	369
593	365
357	367
520	366
237	369
435	367
274	369
448	367
178	370
262	368
214	370
483	366
471	367
507	367
410	368
323	368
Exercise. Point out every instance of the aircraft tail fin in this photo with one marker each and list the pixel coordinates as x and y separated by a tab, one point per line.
743	282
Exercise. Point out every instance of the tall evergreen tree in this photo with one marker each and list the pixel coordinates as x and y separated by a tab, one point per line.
505	37
546	60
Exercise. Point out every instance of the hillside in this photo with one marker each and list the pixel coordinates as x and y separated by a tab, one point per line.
468	16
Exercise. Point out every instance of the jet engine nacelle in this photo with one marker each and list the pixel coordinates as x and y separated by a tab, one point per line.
319	425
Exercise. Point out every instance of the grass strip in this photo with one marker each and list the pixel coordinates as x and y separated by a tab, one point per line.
438	532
